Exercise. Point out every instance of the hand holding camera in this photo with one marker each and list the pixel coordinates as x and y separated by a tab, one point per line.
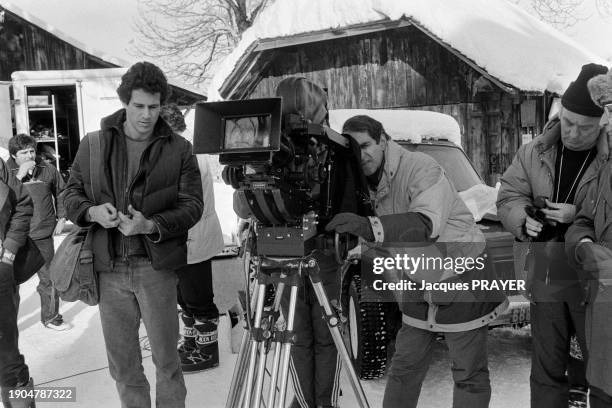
543	217
532	226
559	212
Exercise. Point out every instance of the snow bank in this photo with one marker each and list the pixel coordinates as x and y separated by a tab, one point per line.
404	124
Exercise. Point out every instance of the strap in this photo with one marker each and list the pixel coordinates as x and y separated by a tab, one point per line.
431	324
95	165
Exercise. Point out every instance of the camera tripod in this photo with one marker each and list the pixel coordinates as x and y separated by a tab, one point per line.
265	334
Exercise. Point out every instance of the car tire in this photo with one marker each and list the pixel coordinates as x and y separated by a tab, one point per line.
367	333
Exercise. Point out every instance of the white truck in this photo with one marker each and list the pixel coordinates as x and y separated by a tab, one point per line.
60	107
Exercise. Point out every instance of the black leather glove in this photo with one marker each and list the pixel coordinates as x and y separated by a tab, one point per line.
353	224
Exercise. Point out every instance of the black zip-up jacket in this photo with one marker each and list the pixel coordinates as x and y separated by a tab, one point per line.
45	187
166	189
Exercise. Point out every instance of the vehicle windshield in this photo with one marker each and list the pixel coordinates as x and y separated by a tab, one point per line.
454	162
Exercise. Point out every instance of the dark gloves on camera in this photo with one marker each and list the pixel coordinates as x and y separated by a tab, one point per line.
353	224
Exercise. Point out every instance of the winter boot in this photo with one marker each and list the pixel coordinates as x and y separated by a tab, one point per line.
26	402
577	397
206	353
187	343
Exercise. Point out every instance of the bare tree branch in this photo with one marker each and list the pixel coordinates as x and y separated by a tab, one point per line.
189	37
604	7
559	13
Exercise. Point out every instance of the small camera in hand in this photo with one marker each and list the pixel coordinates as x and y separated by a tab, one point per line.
548	232
535	210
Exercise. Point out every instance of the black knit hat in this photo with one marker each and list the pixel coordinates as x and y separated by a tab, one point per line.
577	98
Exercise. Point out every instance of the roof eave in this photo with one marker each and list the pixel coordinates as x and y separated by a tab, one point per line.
250	57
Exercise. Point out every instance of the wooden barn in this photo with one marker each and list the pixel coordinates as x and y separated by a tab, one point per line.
403	58
28	44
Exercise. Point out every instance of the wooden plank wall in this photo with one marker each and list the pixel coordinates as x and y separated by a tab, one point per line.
387	69
405	69
24	46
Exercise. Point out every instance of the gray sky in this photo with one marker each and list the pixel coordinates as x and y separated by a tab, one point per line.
108	25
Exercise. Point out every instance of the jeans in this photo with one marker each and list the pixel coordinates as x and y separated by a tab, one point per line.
13	369
195	290
552	324
130	292
49	298
413	352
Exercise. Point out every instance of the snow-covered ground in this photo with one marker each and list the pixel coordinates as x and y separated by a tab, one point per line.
76	358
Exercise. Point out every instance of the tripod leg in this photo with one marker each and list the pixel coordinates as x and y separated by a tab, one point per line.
237	385
276	345
286	348
332	323
255	344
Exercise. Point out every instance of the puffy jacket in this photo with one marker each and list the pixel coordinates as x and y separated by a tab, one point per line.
205	238
594	220
45	187
415	182
532	174
15	210
167	189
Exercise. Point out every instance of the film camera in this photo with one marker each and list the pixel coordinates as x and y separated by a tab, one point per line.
291	174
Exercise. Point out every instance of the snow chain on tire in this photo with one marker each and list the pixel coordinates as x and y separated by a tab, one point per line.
371	359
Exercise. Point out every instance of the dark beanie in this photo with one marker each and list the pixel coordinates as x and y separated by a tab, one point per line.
577	98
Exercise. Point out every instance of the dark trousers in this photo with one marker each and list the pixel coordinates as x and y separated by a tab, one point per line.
576	373
413	353
552	325
49	298
195	290
315	365
13	369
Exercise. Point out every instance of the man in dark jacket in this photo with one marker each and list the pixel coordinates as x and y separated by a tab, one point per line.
15	214
414	201
44	184
559	165
150	195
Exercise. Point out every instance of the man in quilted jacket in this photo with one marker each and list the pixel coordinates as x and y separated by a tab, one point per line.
150	195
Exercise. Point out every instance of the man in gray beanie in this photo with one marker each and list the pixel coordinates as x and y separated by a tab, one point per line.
537	202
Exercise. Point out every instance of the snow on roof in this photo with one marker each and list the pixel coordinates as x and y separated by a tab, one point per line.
403	124
61	35
501	38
